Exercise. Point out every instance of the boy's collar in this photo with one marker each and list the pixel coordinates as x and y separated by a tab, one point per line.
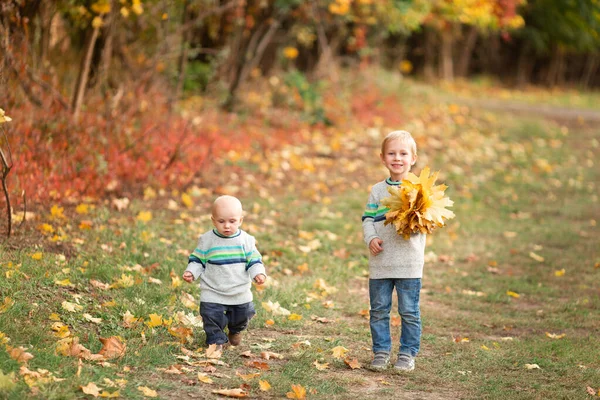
389	181
238	233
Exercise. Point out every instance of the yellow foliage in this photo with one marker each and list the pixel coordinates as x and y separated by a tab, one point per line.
417	205
3	117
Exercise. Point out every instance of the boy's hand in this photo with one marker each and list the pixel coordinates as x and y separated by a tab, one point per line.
260	279
188	276
375	246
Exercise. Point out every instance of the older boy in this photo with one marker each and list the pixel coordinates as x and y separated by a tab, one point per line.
394	263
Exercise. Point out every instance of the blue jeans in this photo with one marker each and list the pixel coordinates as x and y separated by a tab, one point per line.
380	295
216	317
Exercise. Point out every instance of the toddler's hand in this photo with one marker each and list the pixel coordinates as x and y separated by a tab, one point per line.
188	276
375	246
260	279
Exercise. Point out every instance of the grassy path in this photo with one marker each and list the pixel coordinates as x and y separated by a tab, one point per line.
510	301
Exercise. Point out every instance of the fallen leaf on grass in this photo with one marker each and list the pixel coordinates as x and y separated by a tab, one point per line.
237	393
19	354
295	317
113	347
513	294
339	351
591	391
99	285
352	363
555	336
559	272
90	318
71	307
91	388
264	386
214	351
108	395
8	382
298	392
147	392
269	354
532	366
321	367
275	308
204	378
536	257
247	377
258	365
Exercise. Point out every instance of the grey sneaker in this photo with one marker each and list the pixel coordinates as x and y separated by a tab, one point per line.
381	360
405	363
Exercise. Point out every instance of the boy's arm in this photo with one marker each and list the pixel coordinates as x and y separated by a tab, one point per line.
254	264
197	261
368	219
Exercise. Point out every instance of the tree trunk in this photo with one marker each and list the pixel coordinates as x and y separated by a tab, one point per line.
464	62
591	66
556	67
107	50
84	71
183	53
446	61
429	53
525	65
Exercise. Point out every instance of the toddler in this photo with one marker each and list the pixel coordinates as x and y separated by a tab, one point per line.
225	261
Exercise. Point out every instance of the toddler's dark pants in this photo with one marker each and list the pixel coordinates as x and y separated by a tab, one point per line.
218	316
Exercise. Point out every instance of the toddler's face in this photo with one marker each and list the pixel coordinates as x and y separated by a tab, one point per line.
227	220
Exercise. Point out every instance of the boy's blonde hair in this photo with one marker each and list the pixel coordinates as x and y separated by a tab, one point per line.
404	136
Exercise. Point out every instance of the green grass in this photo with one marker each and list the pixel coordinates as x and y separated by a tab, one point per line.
520	186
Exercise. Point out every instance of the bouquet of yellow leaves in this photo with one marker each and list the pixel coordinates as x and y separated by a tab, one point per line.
417	205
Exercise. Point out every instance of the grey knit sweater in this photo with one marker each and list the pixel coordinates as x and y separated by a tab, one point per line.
225	266
400	258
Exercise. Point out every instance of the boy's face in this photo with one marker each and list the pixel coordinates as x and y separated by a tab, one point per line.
227	220
398	158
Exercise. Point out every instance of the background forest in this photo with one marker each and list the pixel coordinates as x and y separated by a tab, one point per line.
122	74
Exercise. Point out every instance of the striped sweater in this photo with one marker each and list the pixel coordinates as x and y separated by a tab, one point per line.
226	266
400	258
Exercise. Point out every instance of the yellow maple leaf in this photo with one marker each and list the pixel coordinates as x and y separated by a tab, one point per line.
8	381
186	199
555	336
147	392
8	303
64	282
264	386
513	294
109	395
3	117
90	388
155	320
188	301
339	351
237	393
202	377
82	209
71	307
298	392
247	377
295	317
60	330
559	272
37	256
321	366
144	216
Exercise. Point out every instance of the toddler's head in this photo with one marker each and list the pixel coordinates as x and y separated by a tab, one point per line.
227	215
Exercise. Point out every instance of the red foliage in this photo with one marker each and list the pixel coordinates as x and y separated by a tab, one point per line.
126	150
